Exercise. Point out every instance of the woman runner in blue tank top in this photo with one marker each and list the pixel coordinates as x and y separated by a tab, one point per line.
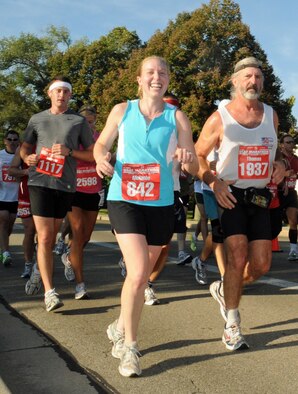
140	201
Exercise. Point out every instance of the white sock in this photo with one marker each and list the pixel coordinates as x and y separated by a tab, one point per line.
232	317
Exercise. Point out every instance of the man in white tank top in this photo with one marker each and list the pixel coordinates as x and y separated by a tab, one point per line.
244	132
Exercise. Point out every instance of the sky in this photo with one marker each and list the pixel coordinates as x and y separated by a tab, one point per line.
273	23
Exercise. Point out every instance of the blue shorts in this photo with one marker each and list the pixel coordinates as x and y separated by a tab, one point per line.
210	205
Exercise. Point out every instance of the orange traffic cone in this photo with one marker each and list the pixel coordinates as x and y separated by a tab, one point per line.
275	245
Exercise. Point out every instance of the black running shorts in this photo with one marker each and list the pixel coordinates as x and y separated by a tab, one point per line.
156	223
49	203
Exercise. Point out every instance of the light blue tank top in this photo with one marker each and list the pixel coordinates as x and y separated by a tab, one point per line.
139	143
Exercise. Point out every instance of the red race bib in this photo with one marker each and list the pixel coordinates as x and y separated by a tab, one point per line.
87	179
50	164
5	176
253	162
140	182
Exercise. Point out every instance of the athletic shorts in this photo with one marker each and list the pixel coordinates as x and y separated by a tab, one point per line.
86	201
247	219
199	198
10	206
156	223
210	205
49	203
276	221
288	201
180	217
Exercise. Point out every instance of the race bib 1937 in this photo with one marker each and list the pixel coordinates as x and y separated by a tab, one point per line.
141	182
253	162
50	164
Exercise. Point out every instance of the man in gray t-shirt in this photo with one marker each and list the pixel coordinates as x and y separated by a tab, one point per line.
53	140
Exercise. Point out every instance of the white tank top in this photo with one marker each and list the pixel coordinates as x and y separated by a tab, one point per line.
246	155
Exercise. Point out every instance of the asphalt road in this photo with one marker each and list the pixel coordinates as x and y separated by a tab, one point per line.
67	351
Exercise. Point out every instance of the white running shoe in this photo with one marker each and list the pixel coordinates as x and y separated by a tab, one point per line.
117	337
233	339
68	271
216	290
293	256
81	292
52	300
129	362
33	285
183	258
201	271
150	297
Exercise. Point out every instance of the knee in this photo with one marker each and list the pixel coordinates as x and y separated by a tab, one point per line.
137	281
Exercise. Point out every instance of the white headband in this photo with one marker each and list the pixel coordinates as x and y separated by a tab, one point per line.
60	84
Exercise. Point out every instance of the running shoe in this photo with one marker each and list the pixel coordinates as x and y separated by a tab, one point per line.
60	247
200	269
293	256
27	270
33	285
193	242
233	339
150	297
129	362
68	271
216	290
81	292
6	259
123	267
117	337
52	300
183	258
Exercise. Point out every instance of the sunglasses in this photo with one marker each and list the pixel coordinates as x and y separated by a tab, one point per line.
12	139
289	142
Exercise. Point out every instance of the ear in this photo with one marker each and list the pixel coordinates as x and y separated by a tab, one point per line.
139	80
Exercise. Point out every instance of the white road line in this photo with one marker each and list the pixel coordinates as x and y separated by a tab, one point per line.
283	284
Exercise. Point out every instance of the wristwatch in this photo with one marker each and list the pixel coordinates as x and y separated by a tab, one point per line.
70	152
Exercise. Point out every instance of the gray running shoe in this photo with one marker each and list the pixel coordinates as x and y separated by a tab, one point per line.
52	301
68	271
233	339
129	362
201	272
150	297
27	270
117	337
216	290
183	258
33	285
81	292
123	267
60	247
6	259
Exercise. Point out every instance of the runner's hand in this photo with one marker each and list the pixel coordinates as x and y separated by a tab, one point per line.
103	167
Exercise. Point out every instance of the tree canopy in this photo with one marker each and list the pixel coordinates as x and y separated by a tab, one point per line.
201	48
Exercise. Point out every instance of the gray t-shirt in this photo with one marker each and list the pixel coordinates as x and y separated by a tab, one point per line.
45	129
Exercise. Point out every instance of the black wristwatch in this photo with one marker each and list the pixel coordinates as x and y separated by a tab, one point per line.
70	152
